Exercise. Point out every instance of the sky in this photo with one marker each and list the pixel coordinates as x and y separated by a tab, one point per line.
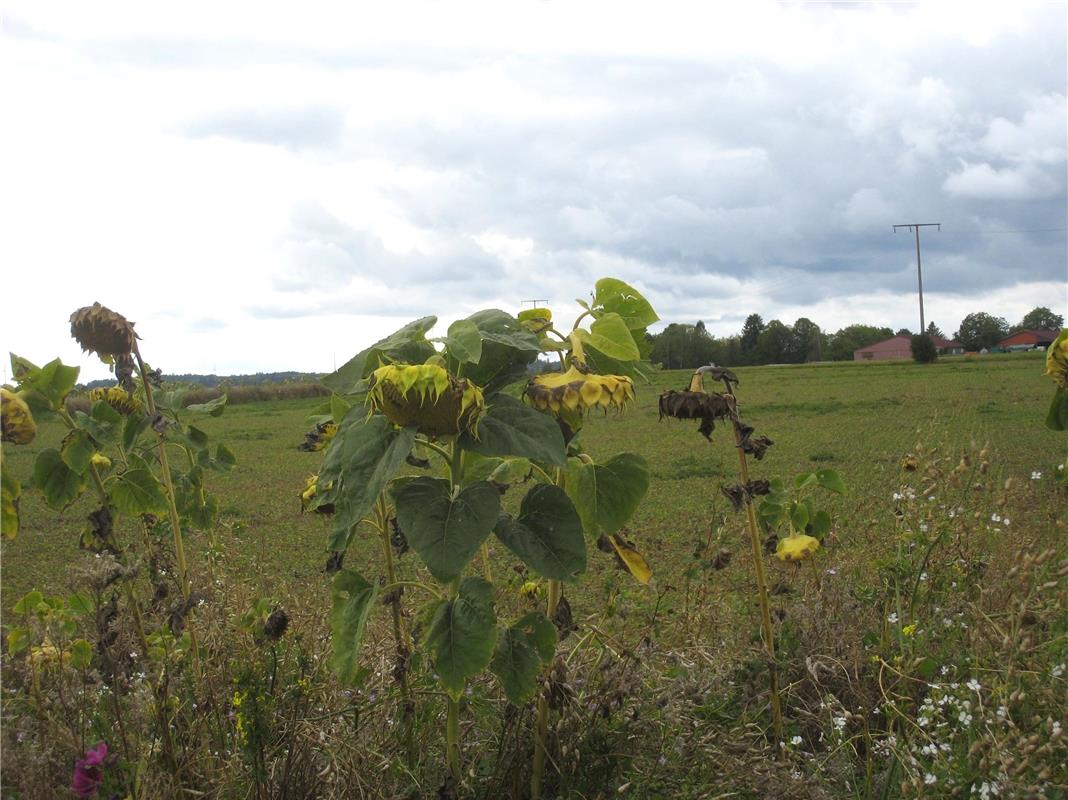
267	187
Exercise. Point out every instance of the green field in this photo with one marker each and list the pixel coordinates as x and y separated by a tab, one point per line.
690	633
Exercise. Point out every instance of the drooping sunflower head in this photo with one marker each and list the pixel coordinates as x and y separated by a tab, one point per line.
1057	359
102	331
308	495
796	548
17	421
118	398
577	391
318	437
426	396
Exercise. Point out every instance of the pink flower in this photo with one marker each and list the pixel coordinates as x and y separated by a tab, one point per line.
89	771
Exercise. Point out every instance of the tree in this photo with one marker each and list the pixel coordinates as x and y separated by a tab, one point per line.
774	343
923	349
1039	319
903	332
853	337
751	330
805	342
934	330
981	330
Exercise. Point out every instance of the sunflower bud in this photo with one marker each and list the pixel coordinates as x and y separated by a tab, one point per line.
578	392
1057	359
426	396
308	495
100	461
18	425
100	330
118	398
318	438
797	547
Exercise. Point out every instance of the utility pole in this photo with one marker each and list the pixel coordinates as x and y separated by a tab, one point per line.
533	303
919	268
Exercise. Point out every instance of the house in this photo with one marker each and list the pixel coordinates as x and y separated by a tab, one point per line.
1026	340
901	347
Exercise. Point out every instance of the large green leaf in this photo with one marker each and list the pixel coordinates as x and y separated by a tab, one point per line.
213	408
462	633
137	490
507	348
77	450
606	365
611	336
46	387
613	296
59	484
408	345
360	460
10	490
607	495
547	534
353	598
512	428
520	653
463	342
103	422
446	531
831	481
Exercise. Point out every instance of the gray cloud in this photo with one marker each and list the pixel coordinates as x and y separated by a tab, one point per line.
314	126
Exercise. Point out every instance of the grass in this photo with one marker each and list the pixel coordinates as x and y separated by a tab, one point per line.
694	625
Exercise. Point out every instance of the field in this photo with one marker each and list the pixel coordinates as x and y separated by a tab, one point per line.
691	631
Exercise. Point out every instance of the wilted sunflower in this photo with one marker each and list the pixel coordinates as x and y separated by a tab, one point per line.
797	547
428	397
578	391
1057	359
318	437
118	398
17	421
102	331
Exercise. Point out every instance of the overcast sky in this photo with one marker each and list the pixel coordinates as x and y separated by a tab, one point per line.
270	187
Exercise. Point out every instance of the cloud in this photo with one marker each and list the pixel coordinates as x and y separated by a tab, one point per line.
984	182
296	128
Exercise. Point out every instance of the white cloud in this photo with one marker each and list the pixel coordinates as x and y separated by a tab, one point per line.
985	182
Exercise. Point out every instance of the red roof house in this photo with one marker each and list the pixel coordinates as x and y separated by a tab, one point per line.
1025	340
901	347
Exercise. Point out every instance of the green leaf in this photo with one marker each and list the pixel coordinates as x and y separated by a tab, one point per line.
408	345
339	407
353	598
612	295
446	532
804	480
607	495
224	457
48	385
507	348
611	336
1057	417
28	603
831	480
171	399
462	633
799	517
464	342
498	471
78	448
10	491
197	439
547	534
103	422
59	484
512	428
81	653
135	425
820	525
80	604
212	408
360	460
18	639
137	491
520	653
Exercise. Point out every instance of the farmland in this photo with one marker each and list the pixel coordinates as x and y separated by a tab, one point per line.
691	629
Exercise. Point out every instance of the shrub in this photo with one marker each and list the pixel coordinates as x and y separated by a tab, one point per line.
923	349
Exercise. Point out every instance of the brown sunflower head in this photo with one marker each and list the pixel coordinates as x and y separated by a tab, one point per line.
18	425
688	404
102	331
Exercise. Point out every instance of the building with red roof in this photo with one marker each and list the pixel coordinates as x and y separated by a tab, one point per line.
900	347
1026	340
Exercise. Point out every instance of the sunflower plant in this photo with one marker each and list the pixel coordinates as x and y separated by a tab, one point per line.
428	433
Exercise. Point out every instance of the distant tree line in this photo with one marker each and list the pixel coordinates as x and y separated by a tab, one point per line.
684	346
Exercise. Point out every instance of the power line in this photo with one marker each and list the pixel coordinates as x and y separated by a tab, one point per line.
919	269
1032	230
